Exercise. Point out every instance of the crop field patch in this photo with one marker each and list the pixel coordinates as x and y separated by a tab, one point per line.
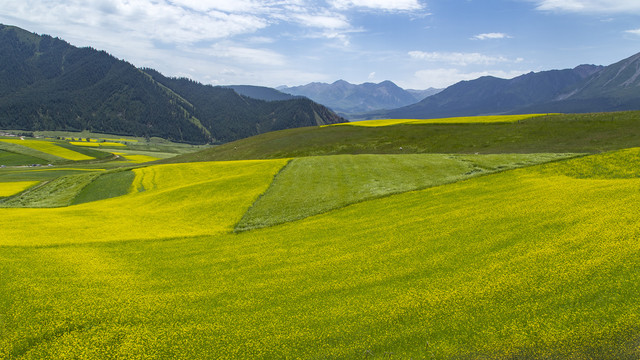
83	143
95	144
106	186
8	158
55	193
12	188
174	200
136	158
50	148
454	120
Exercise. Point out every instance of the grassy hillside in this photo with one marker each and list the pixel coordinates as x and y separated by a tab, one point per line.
576	133
539	262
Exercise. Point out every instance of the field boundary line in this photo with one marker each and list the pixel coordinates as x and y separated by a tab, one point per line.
273	180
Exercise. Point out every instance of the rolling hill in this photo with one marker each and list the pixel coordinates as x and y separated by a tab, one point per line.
48	84
578	133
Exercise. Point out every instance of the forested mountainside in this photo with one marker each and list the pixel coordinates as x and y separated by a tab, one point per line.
48	84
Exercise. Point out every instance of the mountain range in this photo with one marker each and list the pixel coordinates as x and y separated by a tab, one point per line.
346	98
48	84
585	88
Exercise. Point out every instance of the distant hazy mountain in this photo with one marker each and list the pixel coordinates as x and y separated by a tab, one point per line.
48	84
261	92
491	95
422	94
347	98
616	87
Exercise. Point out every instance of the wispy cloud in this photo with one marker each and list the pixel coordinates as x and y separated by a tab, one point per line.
161	20
491	36
457	58
248	55
396	5
590	6
634	32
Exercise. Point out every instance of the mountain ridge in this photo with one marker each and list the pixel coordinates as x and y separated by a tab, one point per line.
346	98
585	88
491	95
48	84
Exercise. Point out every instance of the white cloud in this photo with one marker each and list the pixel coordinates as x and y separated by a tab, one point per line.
323	21
491	36
456	58
634	32
150	19
232	6
387	5
590	6
444	77
250	55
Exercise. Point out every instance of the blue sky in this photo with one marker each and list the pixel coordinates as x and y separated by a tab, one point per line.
415	43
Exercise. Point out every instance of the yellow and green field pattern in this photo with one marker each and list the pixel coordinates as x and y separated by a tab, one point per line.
453	120
14	187
95	144
136	158
533	263
168	201
50	148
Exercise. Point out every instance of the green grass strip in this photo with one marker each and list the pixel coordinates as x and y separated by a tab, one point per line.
313	185
106	186
9	158
56	193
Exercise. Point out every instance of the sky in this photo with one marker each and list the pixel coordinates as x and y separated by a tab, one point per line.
417	44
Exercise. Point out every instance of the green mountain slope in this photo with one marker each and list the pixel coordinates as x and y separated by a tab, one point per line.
47	84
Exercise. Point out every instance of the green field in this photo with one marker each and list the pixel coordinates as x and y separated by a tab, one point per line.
451	255
50	148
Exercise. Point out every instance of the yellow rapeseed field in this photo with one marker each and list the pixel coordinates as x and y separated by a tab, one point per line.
111	143
50	148
84	143
12	188
95	144
454	120
175	200
136	158
534	263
